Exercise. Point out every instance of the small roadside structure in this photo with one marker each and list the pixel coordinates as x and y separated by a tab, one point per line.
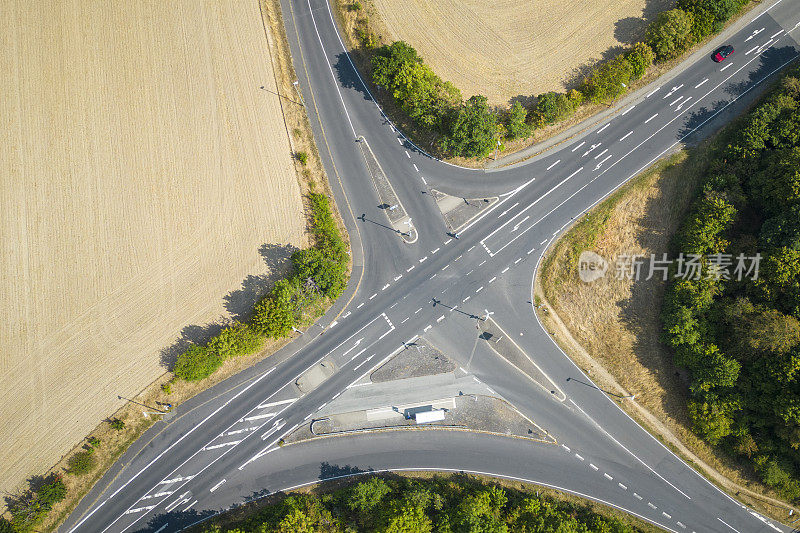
425	417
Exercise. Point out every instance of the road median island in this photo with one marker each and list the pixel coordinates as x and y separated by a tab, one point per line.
612	326
458	212
510	352
391	205
418	380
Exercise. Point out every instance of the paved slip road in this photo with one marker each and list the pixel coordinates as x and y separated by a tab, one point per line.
220	448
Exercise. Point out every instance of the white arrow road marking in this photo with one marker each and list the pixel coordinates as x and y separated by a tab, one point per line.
140	509
587	152
600	164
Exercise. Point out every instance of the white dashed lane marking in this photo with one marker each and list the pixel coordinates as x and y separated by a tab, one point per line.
651	118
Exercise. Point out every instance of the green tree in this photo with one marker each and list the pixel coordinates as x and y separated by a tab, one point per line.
552	107
472	131
367	495
705	230
640	57
408	519
276	315
608	81
326	270
234	340
517	125
670	34
712	418
196	363
779	280
708	16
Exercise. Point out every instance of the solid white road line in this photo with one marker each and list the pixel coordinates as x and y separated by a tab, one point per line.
727	524
618	443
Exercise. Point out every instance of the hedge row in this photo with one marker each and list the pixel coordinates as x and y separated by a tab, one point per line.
318	272
472	129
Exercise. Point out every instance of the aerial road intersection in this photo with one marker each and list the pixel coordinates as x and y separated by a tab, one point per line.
446	285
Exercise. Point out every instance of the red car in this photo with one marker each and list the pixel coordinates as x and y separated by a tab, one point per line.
721	53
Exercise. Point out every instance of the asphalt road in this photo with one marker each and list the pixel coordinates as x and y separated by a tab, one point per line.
221	448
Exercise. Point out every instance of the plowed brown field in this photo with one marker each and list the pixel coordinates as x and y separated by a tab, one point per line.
141	168
508	48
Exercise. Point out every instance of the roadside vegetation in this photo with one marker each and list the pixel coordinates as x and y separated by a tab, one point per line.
614	327
420	505
319	275
438	118
740	338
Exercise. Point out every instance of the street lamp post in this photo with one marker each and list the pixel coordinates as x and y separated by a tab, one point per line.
296	85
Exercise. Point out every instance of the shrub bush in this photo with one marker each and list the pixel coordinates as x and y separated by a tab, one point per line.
607	81
196	363
117	424
552	107
640	57
302	157
235	340
82	462
94	442
517	125
670	34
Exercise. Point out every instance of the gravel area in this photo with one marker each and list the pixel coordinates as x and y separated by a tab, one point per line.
420	359
475	413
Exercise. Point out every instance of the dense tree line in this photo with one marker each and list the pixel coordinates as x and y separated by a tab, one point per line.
472	128
318	272
441	504
741	338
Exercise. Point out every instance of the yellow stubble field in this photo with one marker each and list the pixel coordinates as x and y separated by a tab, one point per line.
508	48
141	168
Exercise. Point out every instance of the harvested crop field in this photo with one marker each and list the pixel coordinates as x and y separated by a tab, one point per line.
142	169
510	48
